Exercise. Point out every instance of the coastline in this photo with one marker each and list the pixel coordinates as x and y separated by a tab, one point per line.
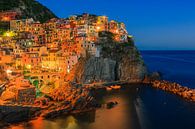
175	88
35	112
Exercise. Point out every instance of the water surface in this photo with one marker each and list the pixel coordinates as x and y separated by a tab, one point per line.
139	107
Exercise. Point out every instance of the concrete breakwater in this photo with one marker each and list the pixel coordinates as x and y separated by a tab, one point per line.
175	88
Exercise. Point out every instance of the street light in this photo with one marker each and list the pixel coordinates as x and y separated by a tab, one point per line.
98	28
28	66
8	71
9	34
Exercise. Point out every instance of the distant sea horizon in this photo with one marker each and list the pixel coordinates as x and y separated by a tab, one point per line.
139	106
175	65
166	49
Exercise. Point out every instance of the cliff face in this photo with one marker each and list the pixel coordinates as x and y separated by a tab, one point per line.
117	62
95	69
28	9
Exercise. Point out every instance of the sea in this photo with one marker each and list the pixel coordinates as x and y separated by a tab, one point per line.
139	107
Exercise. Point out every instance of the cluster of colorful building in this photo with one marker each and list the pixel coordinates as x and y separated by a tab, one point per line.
48	51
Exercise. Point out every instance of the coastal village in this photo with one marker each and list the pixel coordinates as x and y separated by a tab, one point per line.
36	58
37	62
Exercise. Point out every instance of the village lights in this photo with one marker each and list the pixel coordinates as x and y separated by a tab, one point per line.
9	34
8	71
130	36
98	28
68	70
28	66
6	18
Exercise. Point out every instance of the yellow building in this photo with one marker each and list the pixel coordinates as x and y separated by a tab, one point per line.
102	23
50	61
21	25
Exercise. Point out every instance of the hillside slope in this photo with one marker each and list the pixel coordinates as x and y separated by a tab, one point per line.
28	9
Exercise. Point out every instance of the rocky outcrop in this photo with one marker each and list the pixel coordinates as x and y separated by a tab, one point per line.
117	62
175	88
131	71
12	114
96	69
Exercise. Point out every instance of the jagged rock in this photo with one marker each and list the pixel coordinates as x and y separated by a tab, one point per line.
98	69
117	62
131	71
175	88
155	76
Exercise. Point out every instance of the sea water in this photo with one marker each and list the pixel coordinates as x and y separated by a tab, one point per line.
139	107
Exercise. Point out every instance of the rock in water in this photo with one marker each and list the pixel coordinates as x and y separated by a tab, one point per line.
110	105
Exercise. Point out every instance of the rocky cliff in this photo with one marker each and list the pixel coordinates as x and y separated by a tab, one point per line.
28	9
117	62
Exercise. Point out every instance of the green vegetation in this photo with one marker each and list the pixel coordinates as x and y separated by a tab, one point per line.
33	9
116	50
4	26
8	4
107	34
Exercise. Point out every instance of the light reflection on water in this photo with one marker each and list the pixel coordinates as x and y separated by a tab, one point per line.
139	107
122	116
146	108
66	123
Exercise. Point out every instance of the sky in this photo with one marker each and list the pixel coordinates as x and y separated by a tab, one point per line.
155	24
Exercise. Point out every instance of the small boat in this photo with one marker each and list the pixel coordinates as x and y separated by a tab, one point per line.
116	87
108	88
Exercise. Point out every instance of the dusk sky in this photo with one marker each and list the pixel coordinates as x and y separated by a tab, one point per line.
155	24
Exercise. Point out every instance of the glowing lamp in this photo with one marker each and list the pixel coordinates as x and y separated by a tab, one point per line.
68	70
8	71
9	34
28	66
130	36
98	28
6	18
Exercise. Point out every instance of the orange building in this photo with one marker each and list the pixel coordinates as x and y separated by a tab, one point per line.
5	58
31	60
8	15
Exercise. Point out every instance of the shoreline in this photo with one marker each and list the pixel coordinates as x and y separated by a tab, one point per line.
174	88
